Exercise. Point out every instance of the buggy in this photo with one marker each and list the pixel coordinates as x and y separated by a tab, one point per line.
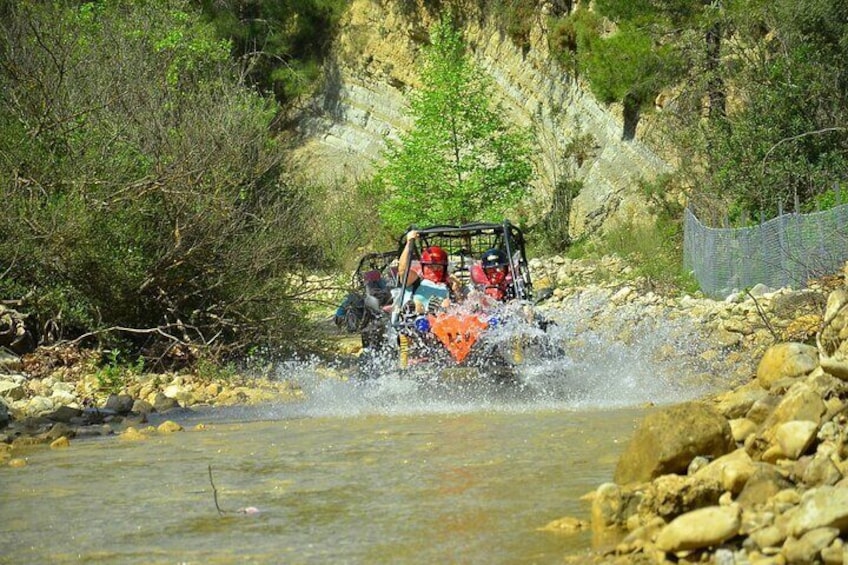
475	332
371	285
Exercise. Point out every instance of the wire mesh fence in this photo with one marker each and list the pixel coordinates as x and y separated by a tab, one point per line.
786	251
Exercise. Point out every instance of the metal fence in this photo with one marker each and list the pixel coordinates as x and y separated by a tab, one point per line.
786	251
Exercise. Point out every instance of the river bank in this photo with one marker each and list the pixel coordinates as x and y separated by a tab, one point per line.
59	395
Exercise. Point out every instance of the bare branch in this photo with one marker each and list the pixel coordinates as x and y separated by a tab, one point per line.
793	138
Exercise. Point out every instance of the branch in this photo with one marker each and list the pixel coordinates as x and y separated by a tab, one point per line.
215	493
157	330
763	316
793	138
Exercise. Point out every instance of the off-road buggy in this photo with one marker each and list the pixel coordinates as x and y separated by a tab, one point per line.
371	288
474	332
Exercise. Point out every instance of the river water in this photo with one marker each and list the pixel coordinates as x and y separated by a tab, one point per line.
381	472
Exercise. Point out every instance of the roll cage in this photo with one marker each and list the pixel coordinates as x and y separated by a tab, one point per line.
465	246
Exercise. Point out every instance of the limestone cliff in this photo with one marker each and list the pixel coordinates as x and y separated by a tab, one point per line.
373	67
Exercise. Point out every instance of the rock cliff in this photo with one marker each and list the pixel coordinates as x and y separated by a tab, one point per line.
374	65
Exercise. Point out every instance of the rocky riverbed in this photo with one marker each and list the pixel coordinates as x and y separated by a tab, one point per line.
753	474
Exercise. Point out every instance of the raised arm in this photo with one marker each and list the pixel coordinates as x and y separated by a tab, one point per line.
404	263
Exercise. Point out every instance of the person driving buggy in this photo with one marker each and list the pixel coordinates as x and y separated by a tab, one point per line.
432	283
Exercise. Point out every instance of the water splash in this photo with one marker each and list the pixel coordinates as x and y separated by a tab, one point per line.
591	357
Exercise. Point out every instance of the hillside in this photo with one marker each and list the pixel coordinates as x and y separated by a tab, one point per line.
374	65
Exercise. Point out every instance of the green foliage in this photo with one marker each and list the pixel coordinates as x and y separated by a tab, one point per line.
460	162
551	235
627	65
572	36
788	140
141	187
653	248
285	40
215	371
343	223
116	372
515	17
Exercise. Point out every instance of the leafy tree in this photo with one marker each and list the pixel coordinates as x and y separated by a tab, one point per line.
786	144
285	41
140	185
460	162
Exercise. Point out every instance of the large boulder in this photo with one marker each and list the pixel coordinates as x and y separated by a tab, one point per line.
786	361
668	440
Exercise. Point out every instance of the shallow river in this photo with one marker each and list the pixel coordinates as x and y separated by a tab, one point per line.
384	473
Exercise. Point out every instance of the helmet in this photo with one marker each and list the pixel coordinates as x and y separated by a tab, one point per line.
494	258
434	255
431	258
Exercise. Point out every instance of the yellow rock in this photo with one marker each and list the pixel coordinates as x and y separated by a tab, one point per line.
168	427
17	462
60	442
132	434
567	525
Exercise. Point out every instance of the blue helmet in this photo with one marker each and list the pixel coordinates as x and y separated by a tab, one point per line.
494	258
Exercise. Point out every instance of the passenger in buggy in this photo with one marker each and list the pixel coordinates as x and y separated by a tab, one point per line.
432	286
492	276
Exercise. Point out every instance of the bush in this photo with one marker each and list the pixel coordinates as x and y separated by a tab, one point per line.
142	188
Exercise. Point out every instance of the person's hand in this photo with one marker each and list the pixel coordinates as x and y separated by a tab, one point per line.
413	234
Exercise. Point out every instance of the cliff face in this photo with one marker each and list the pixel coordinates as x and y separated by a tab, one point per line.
374	66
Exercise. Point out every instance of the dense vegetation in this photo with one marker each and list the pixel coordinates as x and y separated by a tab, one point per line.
141	187
145	188
756	92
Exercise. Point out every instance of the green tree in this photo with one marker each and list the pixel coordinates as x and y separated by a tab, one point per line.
285	41
460	161
785	141
141	188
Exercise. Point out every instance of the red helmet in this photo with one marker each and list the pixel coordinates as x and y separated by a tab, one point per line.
434	255
434	264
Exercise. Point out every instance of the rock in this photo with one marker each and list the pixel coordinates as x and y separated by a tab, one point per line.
824	507
705	527
786	360
163	403
132	434
9	361
11	390
799	403
671	495
835	553
731	471
741	428
736	403
142	407
762	408
668	440
807	549
120	404
820	471
64	414
795	437
763	484
567	525
60	443
611	506
169	426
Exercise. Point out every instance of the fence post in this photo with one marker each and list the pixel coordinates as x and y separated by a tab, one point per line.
784	250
